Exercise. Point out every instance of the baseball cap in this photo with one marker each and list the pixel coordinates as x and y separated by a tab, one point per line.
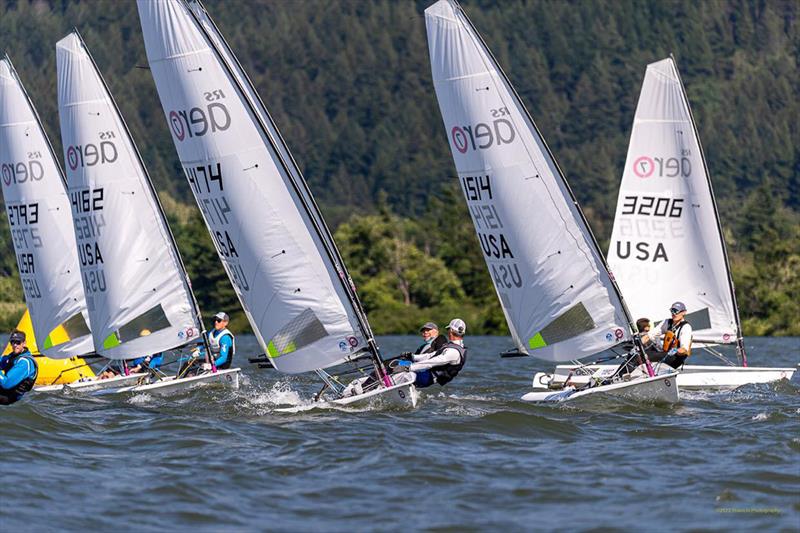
221	316
457	326
428	325
677	307
16	337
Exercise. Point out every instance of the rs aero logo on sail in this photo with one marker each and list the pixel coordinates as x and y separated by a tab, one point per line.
484	135
662	167
22	171
199	121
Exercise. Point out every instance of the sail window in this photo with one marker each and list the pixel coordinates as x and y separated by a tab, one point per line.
152	320
301	331
571	323
73	328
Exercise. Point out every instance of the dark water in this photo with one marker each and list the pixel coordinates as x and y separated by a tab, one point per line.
470	457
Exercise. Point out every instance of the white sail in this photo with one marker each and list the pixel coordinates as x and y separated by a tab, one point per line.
136	287
549	275
267	230
666	244
41	225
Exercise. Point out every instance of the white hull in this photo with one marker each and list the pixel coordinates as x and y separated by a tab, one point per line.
169	385
658	389
691	377
93	384
402	394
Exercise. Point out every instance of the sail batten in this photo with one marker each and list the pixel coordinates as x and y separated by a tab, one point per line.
38	211
135	283
551	279
666	244
267	229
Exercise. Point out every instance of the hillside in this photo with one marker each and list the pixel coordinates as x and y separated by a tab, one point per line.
348	83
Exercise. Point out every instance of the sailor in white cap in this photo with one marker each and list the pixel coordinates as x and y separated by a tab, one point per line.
443	365
674	336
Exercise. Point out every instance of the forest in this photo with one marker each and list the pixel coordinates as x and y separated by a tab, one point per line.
348	82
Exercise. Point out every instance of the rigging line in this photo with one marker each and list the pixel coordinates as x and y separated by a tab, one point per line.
559	172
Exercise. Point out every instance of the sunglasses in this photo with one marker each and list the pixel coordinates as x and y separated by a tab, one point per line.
675	311
15	343
219	320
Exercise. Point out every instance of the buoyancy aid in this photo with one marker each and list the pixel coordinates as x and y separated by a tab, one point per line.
10	396
216	347
672	338
444	374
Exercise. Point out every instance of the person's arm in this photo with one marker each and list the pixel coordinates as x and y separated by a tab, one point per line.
686	340
448	357
225	345
419	357
16	374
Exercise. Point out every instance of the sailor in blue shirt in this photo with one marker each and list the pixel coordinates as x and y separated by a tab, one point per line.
142	364
221	342
18	370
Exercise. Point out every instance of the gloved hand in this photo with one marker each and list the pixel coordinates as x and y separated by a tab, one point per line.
195	353
673	351
400	365
206	367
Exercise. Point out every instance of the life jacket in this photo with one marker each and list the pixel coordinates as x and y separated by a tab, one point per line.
216	347
9	396
672	337
444	374
434	346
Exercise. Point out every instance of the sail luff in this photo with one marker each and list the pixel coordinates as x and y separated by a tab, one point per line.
176	254
54	322
292	169
560	173
739	337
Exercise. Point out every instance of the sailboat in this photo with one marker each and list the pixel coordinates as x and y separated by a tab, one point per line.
667	241
554	287
269	233
41	224
137	291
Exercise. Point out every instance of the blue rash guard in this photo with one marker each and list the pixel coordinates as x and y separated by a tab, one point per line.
225	346
14	371
155	361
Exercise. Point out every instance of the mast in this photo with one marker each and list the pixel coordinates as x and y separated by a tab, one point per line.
301	187
740	351
159	208
561	176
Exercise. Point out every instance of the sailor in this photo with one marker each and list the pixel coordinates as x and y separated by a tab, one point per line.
674	337
442	365
142	364
18	370
221	342
432	340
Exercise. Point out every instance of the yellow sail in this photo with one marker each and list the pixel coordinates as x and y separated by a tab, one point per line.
52	371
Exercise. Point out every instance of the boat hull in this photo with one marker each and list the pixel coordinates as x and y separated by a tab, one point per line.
402	394
170	385
690	377
658	389
93	384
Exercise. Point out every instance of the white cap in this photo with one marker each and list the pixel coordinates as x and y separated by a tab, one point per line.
457	326
221	316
